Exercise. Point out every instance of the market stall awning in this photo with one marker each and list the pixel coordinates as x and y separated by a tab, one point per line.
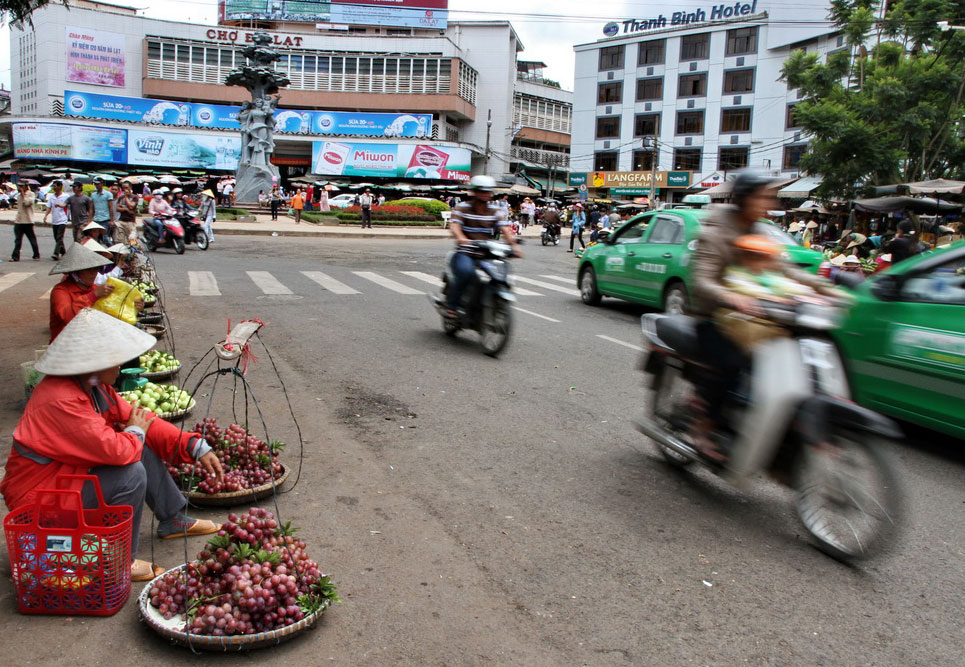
801	188
723	190
914	204
523	190
711	180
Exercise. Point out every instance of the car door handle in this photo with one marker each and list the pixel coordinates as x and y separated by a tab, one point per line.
632	254
667	255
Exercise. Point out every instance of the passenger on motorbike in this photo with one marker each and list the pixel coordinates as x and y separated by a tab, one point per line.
474	220
158	209
753	194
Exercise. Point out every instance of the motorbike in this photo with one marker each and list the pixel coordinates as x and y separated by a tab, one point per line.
791	419
550	234
487	298
179	230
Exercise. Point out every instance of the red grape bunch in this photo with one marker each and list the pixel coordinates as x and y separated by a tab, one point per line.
247	461
254	576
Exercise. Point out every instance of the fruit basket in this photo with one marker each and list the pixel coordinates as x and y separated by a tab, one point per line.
166	401
253	585
240	497
145	317
158	364
155	330
177	414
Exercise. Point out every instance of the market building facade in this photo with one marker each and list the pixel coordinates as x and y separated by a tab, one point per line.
696	91
412	99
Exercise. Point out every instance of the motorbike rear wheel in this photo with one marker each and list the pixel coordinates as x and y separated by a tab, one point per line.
670	391
496	325
202	240
179	245
848	494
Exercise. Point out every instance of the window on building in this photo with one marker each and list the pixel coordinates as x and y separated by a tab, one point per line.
686	159
605	161
739	80
652	53
649	89
732	158
741	41
792	155
692	85
642	160
791	121
608	127
735	120
611	57
694	47
646	124
690	122
610	93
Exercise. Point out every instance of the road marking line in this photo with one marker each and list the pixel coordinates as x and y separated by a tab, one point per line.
329	283
529	312
568	281
525	292
267	283
202	283
8	280
549	286
424	277
620	342
46	295
387	283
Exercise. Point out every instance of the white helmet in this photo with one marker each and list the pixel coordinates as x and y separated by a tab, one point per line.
483	182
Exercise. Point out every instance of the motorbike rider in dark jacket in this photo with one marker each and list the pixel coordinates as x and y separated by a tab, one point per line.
551	219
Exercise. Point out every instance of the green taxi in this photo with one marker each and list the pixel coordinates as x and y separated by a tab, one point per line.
903	341
647	259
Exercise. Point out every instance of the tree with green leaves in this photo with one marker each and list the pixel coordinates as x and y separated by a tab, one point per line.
19	11
889	107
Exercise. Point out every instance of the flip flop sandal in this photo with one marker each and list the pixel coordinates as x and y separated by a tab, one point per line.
141	570
199	527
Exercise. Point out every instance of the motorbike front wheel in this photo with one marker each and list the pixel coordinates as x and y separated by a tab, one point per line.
848	494
202	240
179	245
496	325
544	239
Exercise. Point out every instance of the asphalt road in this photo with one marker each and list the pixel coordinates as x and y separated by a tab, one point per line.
480	511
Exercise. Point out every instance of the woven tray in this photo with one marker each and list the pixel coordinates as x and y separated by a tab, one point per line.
155	330
179	413
232	498
162	374
150	318
171	629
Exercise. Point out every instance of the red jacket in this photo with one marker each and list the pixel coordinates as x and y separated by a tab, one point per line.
61	423
67	299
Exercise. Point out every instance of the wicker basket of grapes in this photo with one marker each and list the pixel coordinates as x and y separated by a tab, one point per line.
253	585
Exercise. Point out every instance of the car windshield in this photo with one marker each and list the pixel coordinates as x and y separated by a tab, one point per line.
775	233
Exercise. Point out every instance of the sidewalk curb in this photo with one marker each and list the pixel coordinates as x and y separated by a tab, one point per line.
310	232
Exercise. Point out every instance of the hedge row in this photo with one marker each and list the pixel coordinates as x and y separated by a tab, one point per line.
387	212
433	206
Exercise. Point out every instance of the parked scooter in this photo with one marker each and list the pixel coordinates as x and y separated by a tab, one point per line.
791	420
487	298
177	231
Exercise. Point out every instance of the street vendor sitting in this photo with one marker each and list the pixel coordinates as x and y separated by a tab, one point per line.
94	231
75	423
77	290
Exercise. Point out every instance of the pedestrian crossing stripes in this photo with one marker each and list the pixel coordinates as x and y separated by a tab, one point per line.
268	283
549	286
202	283
329	283
559	279
8	280
424	277
387	283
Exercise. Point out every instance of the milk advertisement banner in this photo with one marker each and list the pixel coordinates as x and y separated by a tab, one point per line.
95	57
335	158
193	151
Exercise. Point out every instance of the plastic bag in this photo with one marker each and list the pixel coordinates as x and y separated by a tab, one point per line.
120	302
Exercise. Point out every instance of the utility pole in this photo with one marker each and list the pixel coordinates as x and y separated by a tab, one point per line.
653	168
489	127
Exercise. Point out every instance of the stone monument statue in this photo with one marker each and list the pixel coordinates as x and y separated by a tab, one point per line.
255	170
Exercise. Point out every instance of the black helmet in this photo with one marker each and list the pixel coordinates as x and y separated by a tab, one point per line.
747	183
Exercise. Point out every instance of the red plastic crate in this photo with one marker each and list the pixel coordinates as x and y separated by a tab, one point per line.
67	559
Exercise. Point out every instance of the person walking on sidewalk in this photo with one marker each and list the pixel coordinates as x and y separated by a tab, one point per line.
24	223
208	213
81	210
579	222
103	202
365	203
274	200
126	207
57	212
298	204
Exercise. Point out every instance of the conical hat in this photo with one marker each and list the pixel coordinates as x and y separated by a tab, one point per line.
91	244
857	240
794	227
91	342
92	226
837	260
78	258
120	249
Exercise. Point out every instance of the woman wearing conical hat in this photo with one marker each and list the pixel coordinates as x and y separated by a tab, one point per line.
80	266
75	423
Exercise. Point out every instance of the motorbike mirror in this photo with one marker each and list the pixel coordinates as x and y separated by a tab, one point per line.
886	287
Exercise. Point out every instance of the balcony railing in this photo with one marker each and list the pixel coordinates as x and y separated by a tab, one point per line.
541	157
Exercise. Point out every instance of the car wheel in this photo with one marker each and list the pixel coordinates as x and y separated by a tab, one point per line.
588	291
675	300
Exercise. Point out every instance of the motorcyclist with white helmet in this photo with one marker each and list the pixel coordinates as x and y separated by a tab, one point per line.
474	220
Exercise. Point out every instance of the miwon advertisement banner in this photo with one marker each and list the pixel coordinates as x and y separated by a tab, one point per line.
335	158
